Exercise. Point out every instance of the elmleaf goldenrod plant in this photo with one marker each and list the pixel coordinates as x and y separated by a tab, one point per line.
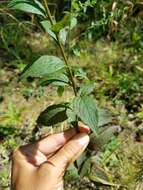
54	70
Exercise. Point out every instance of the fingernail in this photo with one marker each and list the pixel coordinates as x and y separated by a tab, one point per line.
83	139
86	126
83	128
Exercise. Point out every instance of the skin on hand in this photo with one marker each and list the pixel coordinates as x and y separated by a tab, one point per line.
42	165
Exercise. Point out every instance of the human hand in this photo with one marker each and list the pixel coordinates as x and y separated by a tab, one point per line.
42	165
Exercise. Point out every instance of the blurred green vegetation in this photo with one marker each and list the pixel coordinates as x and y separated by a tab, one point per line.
107	42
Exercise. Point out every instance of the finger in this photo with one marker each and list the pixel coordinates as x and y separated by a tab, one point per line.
70	152
83	128
36	153
54	142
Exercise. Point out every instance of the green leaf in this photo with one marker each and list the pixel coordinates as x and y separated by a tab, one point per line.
102	181
39	4
73	22
79	73
47	26
68	22
86	109
63	35
43	67
86	89
86	168
7	131
53	114
71	173
34	7
57	79
62	24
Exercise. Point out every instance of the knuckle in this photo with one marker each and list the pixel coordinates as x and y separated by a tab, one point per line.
48	168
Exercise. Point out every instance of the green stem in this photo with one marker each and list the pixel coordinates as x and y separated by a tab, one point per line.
61	48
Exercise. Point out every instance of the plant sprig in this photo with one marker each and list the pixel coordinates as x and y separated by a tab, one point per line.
52	70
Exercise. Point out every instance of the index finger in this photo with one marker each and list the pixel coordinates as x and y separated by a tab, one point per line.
54	142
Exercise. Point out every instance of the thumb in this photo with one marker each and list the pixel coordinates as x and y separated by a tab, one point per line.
69	152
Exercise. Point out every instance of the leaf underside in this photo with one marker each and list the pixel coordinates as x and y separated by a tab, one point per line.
48	28
57	79
53	114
